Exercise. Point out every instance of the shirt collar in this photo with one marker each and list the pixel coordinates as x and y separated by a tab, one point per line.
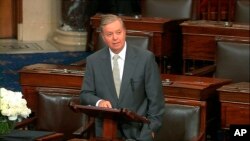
121	54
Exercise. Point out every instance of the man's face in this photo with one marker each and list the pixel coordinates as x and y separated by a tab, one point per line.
114	35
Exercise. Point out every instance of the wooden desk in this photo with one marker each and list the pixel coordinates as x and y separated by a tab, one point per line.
166	35
198	89
235	104
199	42
21	135
48	75
191	87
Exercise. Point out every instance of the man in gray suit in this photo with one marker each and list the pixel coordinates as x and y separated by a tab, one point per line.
137	88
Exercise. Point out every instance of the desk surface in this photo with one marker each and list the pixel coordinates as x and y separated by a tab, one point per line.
235	92
53	69
191	87
217	24
215	28
192	82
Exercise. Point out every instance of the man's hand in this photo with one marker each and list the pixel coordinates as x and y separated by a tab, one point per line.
104	104
153	135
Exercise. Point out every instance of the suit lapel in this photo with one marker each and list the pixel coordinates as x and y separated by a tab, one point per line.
129	66
105	68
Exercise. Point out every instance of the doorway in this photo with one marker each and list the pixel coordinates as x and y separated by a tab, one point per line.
10	16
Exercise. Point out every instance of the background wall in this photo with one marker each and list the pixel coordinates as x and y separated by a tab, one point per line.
40	19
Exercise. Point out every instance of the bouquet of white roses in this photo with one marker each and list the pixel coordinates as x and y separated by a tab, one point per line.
12	105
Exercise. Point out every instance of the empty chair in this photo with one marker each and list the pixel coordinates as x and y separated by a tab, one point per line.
242	11
177	11
231	61
54	113
184	120
174	9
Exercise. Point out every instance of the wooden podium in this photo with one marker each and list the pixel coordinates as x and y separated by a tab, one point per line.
110	117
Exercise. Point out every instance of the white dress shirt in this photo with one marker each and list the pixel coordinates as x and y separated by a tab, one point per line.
121	59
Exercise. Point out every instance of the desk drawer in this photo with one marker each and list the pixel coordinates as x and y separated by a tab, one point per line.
234	113
199	47
182	93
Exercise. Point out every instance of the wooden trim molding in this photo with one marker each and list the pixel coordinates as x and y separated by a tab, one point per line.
19	11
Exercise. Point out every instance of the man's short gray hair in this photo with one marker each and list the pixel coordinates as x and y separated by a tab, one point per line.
109	18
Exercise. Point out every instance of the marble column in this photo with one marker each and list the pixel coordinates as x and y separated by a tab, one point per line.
72	29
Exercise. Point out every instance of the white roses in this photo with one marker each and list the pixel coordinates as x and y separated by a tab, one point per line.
12	105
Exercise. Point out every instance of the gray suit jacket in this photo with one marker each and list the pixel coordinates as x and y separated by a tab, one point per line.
141	89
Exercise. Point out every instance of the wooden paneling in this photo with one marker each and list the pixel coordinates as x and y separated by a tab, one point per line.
10	16
6	19
216	10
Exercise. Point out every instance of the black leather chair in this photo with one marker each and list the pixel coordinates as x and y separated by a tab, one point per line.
173	9
232	60
54	113
184	120
178	11
242	11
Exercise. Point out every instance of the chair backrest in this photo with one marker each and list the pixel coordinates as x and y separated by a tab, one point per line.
174	9
242	11
181	123
138	41
184	120
54	113
232	60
